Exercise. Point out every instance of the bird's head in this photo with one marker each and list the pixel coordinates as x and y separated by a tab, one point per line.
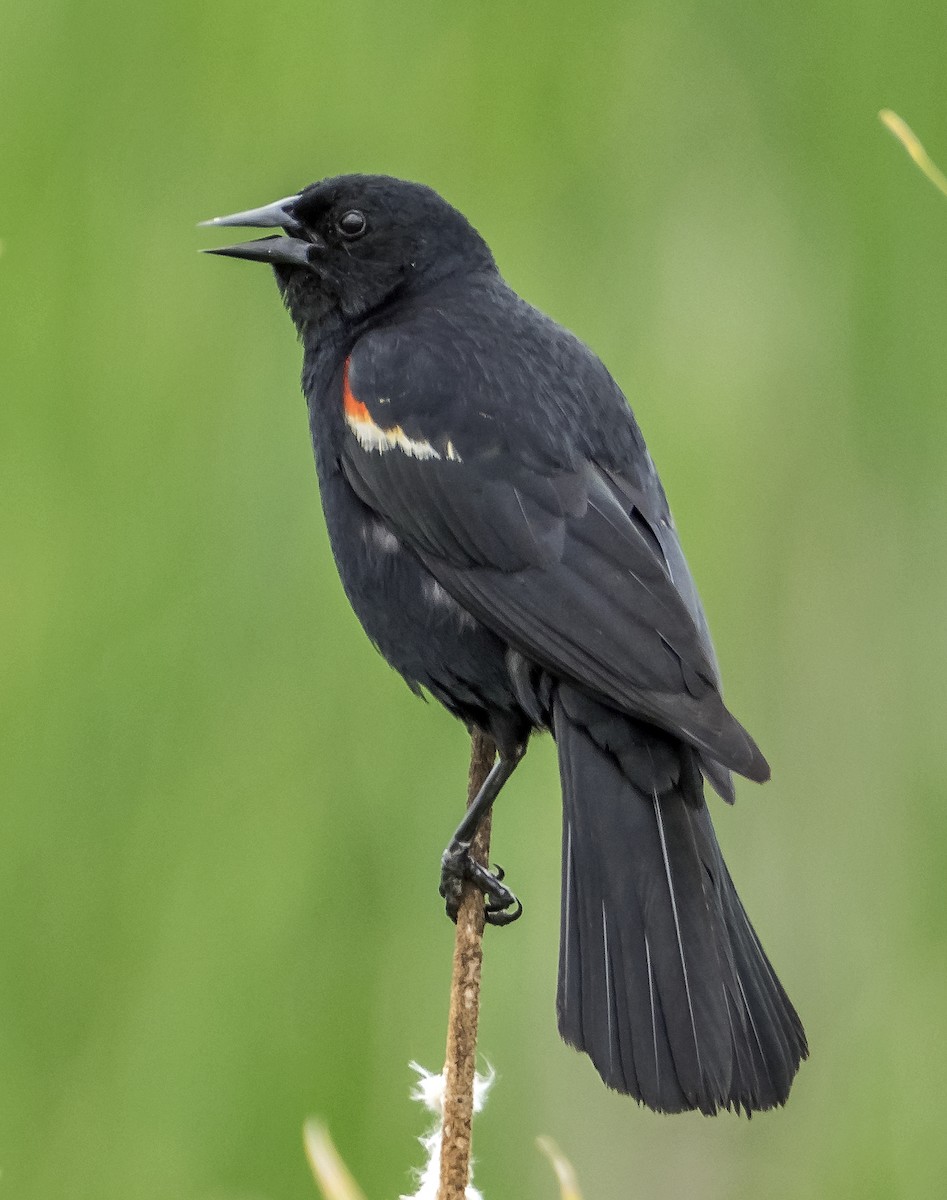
350	244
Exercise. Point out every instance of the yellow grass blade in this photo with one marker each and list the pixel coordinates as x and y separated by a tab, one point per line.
568	1184
908	139
330	1171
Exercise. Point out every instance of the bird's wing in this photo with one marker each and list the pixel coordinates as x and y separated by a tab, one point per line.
563	560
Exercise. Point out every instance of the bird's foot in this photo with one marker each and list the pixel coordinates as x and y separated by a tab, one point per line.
501	907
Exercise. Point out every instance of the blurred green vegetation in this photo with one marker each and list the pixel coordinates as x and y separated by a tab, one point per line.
221	814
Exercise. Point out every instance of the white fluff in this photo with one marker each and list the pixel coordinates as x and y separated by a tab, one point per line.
429	1089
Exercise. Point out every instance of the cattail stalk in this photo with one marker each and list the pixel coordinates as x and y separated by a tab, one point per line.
459	1069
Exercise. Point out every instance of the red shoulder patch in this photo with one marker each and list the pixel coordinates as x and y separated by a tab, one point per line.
355	410
374	437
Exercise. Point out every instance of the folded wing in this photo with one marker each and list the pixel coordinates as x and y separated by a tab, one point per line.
574	565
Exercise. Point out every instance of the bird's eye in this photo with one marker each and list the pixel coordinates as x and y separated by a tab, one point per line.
352	224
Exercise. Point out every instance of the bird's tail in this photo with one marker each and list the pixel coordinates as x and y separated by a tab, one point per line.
662	980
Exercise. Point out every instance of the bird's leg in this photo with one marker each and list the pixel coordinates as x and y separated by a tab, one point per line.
457	864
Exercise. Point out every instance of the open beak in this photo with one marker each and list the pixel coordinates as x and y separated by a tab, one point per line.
295	250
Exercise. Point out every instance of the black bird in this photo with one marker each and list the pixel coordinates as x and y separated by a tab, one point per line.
501	532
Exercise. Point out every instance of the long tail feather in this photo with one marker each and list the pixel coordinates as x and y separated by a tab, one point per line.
662	980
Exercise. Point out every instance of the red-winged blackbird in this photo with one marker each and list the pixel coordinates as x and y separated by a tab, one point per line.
501	532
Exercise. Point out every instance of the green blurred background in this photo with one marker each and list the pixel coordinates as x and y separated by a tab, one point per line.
221	814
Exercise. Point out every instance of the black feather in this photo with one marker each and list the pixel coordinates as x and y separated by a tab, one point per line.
662	980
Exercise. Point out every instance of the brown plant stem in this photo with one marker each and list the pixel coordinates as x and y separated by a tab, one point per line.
460	1067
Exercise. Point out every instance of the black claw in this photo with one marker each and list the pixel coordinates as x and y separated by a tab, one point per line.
498	872
501	907
452	891
503	916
